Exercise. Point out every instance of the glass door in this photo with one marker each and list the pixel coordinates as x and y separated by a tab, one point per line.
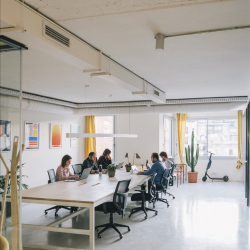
10	141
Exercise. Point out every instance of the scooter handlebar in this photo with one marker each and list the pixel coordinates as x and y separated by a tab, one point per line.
210	153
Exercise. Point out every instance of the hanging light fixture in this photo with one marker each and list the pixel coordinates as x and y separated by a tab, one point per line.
159	41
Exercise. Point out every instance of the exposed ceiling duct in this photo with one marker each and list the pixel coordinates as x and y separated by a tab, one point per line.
13	102
45	35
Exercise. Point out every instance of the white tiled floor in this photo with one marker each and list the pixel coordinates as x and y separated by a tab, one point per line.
211	215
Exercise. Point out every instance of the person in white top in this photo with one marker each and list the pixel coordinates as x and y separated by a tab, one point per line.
168	163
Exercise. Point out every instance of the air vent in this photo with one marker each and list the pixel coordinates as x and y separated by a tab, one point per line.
156	93
57	36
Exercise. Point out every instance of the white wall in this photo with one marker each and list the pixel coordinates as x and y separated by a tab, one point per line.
37	162
146	126
150	132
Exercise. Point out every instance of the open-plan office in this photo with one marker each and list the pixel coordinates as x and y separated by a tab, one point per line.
124	124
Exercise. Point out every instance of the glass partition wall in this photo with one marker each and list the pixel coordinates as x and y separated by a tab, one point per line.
10	142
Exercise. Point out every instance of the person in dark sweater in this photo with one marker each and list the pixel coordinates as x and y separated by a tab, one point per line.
157	167
90	162
105	159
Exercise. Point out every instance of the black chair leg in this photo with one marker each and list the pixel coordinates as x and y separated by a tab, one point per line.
103	230
171	195
120	225
111	224
57	209
116	229
46	211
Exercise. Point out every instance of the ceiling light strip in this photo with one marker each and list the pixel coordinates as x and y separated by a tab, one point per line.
91	135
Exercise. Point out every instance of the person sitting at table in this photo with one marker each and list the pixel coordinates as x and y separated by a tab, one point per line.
63	171
166	160
157	167
105	159
90	162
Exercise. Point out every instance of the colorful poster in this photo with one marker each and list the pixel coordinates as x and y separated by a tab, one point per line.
32	132
5	132
55	135
74	142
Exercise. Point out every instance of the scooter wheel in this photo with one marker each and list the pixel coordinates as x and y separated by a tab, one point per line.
225	178
204	178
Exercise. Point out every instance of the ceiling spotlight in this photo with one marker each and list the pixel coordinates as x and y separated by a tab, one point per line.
159	41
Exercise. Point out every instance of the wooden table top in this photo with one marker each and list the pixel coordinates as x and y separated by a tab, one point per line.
95	188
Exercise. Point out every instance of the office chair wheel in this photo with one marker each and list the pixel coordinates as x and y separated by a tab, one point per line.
145	217
46	212
129	216
173	197
121	236
96	229
129	229
99	236
156	213
56	215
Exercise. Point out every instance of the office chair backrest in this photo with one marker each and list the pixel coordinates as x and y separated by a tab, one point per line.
165	177
77	168
52	175
171	175
153	186
120	195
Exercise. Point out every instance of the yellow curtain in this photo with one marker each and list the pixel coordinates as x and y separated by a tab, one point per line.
90	143
239	163
181	127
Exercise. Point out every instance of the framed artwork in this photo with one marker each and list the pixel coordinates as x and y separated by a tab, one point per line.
5	135
55	140
31	135
74	142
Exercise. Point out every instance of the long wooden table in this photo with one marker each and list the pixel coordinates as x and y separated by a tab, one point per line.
84	194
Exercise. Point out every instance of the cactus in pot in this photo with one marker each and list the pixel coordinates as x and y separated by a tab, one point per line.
192	160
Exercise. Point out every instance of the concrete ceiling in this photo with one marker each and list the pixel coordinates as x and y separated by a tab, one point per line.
207	65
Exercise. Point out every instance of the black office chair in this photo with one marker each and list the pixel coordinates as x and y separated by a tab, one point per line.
52	178
143	197
162	189
171	179
118	205
77	168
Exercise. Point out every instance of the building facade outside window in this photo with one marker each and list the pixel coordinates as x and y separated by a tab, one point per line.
219	136
104	125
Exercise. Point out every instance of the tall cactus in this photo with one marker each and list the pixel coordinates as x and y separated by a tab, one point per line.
190	158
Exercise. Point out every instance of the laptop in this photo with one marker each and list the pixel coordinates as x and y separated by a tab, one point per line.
119	165
85	174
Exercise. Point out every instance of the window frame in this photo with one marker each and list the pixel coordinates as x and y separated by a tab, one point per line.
114	130
204	157
172	134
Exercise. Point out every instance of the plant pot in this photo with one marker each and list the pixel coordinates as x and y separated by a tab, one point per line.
111	173
128	168
192	177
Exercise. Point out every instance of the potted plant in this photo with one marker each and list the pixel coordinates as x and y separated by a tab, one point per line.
192	160
111	170
128	167
2	183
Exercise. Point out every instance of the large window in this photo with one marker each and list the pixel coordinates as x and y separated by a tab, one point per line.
104	125
219	136
168	135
